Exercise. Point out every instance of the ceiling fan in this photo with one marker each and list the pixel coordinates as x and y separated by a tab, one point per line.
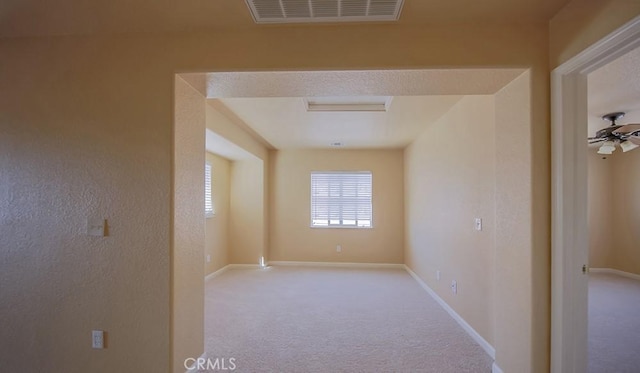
627	136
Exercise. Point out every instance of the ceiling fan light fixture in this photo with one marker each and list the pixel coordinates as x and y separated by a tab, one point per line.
627	146
608	147
627	135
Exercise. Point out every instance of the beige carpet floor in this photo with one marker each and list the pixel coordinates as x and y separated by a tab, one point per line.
295	319
614	324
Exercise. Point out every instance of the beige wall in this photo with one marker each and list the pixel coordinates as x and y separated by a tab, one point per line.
601	224
247	225
248	180
614	207
449	181
217	226
614	211
189	228
225	127
522	251
625	185
512	267
94	115
291	237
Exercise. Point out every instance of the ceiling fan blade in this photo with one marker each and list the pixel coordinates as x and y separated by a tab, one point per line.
634	139
606	132
595	140
627	128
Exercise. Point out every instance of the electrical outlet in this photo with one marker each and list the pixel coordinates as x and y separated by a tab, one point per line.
438	275
454	287
208	258
339	248
97	339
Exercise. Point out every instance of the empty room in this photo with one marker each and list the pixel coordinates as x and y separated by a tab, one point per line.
356	186
286	185
339	195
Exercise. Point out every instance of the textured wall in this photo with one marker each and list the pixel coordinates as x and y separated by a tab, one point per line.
75	106
82	136
601	224
188	225
626	211
217	226
248	192
247	225
449	181
614	211
291	236
516	277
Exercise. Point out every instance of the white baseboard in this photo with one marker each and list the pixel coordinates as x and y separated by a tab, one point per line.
615	272
244	266
216	273
495	368
476	337
194	368
228	267
336	264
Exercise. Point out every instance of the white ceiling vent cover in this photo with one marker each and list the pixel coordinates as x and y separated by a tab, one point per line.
297	11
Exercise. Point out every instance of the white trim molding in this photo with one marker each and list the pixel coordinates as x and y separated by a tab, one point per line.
217	273
337	264
244	266
617	272
228	267
489	349
569	245
495	368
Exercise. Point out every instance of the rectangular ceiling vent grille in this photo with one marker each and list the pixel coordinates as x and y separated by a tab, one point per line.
299	11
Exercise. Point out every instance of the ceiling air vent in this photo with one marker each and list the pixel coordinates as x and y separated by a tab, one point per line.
298	11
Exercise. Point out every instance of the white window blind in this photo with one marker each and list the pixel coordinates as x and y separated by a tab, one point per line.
341	199
208	198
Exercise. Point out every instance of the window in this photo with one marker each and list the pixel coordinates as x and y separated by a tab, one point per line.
341	199
208	198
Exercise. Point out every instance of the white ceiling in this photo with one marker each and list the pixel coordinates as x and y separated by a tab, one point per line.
285	123
272	106
615	87
353	83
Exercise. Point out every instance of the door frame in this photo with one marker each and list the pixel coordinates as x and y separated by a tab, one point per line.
569	233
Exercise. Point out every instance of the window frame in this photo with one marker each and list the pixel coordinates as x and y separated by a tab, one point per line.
341	225
209	211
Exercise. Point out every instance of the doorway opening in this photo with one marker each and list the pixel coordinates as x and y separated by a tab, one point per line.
569	108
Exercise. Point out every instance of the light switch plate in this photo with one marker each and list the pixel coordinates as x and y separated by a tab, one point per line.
478	224
96	227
